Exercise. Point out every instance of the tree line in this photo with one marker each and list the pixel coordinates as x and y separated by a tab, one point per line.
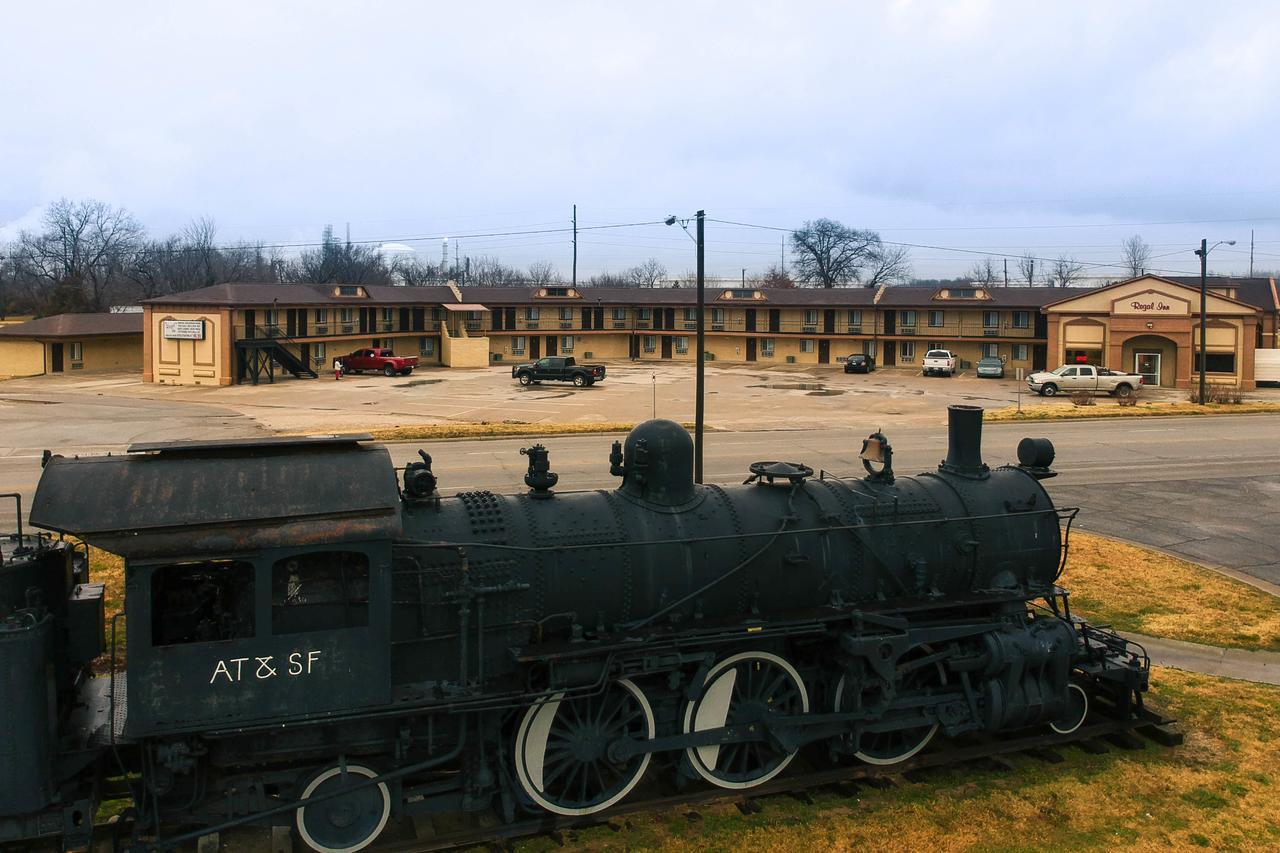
90	256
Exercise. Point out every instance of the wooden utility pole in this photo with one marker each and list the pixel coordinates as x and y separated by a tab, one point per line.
1250	253
575	245
1006	272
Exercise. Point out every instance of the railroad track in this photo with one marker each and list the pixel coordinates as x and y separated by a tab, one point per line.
806	774
810	772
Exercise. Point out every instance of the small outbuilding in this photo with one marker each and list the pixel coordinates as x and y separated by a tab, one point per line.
72	342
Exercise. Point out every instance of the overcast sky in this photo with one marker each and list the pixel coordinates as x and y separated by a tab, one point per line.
967	125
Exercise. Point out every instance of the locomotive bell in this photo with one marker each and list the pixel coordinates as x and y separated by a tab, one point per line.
658	464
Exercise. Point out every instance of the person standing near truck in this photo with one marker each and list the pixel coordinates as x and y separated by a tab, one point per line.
337	368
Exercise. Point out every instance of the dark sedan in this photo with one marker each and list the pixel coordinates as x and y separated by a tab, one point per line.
859	364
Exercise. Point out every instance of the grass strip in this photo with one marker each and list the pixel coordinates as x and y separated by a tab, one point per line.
1042	411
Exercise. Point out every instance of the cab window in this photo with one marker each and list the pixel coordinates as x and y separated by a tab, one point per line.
320	591
202	602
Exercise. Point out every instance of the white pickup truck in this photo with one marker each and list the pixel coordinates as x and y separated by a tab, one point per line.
1084	377
939	361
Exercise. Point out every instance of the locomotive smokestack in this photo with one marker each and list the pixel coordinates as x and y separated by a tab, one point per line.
964	442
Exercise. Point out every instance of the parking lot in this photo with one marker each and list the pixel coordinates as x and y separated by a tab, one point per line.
54	411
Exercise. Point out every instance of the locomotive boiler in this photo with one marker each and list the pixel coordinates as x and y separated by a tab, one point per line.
314	641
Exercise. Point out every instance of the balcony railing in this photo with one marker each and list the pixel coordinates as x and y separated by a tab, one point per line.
265	331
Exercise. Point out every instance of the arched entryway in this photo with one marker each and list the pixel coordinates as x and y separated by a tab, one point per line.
1153	356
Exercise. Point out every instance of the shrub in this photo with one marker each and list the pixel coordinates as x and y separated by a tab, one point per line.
1082	398
1213	393
1131	400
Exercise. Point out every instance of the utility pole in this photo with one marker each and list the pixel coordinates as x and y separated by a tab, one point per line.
1204	289
744	277
702	358
575	245
1006	272
1250	253
783	253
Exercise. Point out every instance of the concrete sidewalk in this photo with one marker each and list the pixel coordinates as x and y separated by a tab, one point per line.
1263	667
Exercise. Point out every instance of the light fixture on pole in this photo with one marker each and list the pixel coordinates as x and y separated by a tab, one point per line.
1203	252
700	355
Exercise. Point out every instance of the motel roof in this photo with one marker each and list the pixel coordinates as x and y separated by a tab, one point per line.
76	326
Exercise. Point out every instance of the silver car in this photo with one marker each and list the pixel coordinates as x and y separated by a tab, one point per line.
992	367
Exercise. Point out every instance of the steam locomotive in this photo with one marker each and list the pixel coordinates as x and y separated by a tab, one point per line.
320	641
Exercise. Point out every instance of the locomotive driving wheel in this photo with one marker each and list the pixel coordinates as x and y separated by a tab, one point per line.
1075	712
897	745
346	823
744	690
562	749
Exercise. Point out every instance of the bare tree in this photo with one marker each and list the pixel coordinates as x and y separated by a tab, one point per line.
776	277
542	273
608	279
336	261
1063	271
985	271
1027	268
1136	255
828	253
888	265
85	247
646	274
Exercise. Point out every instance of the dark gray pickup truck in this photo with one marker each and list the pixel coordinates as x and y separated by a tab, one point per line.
558	369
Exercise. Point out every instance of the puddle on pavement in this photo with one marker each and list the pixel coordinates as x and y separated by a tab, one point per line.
815	389
33	402
416	382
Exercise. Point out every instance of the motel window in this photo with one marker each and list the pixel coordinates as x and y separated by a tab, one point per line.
619	313
645	313
320	591
318	353
936	345
1020	352
517	345
271	317
557	291
531	313
806	345
936	318
348	315
1216	362
77	351
682	344
566	312
869	348
566	343
650	341
908	319
766	347
1021	319
855	317
990	319
717	315
908	351
811	317
691	315
962	293
387	314
348	290
990	350
322	316
742	294
427	346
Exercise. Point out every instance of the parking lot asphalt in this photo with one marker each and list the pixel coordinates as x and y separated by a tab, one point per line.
1205	488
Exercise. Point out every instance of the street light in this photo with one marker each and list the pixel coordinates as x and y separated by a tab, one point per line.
701	356
1203	252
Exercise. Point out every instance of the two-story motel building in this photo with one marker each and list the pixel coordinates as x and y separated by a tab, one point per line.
232	333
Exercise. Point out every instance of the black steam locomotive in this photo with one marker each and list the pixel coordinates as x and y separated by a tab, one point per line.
313	643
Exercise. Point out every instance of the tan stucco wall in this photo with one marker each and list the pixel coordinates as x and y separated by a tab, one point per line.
21	358
186	362
123	352
464	351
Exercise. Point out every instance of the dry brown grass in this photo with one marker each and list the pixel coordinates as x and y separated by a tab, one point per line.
108	569
1052	411
1136	589
1216	791
419	432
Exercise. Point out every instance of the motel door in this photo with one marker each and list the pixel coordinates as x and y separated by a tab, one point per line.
824	351
535	347
666	346
1147	364
635	347
751	319
551	344
751	349
55	358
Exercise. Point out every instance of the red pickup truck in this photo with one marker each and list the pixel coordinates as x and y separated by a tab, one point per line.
378	358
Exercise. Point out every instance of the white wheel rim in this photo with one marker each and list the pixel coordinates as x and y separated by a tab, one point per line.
531	745
352	769
1066	730
885	762
713	711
